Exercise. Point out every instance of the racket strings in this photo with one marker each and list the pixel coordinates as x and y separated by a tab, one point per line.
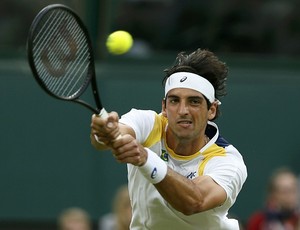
64	51
62	54
73	77
45	38
41	41
77	74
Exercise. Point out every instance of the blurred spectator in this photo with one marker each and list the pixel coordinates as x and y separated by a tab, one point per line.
121	216
74	219
281	210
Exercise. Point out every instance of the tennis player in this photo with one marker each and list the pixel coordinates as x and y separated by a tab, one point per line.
182	174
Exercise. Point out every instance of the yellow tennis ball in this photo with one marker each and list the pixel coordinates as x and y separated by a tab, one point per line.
119	42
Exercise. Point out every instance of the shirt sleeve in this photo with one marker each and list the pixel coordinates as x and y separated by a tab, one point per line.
141	121
229	172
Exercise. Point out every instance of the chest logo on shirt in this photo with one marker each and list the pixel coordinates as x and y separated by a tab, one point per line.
164	155
191	175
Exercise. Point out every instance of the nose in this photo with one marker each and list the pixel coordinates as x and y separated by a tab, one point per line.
183	108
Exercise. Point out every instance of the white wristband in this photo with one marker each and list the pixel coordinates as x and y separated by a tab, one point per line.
155	169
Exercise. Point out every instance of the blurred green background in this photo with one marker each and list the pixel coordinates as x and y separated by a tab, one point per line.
47	163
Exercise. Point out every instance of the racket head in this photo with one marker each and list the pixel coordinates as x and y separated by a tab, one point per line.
60	52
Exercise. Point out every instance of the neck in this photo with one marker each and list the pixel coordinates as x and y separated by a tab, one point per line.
186	147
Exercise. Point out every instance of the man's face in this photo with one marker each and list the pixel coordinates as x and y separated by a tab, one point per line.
286	192
187	113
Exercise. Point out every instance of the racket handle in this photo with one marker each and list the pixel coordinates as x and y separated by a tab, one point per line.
103	113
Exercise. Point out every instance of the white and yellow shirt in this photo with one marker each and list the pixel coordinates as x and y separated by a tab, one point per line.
217	158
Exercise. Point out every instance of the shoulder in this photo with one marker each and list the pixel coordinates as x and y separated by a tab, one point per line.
142	122
229	163
138	112
137	116
221	152
142	117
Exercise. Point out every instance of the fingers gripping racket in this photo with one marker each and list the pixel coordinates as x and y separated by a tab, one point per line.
61	57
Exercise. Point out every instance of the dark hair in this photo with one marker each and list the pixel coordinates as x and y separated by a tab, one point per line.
205	64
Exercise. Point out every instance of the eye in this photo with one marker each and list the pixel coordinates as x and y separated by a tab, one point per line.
173	100
195	101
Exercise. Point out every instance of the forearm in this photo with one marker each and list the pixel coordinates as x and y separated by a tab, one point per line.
181	193
186	196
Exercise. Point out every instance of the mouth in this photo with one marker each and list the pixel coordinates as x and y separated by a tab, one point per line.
184	123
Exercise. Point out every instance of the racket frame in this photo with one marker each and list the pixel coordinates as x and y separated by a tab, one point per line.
91	74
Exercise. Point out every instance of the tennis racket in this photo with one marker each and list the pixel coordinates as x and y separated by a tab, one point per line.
61	57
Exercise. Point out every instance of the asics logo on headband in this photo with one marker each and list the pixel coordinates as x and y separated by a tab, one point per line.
183	79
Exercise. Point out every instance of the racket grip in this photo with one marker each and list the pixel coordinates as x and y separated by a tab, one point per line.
103	113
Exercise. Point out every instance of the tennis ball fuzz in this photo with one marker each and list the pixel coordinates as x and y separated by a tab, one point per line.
119	42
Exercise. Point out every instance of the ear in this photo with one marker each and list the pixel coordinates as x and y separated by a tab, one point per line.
212	111
163	107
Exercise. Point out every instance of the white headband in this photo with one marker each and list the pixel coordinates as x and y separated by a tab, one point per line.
191	81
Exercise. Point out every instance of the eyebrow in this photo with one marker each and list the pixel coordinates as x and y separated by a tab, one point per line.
190	97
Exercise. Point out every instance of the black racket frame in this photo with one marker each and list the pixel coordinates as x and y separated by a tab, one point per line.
91	68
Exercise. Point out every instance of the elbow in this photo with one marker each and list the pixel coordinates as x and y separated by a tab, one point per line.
187	212
190	208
